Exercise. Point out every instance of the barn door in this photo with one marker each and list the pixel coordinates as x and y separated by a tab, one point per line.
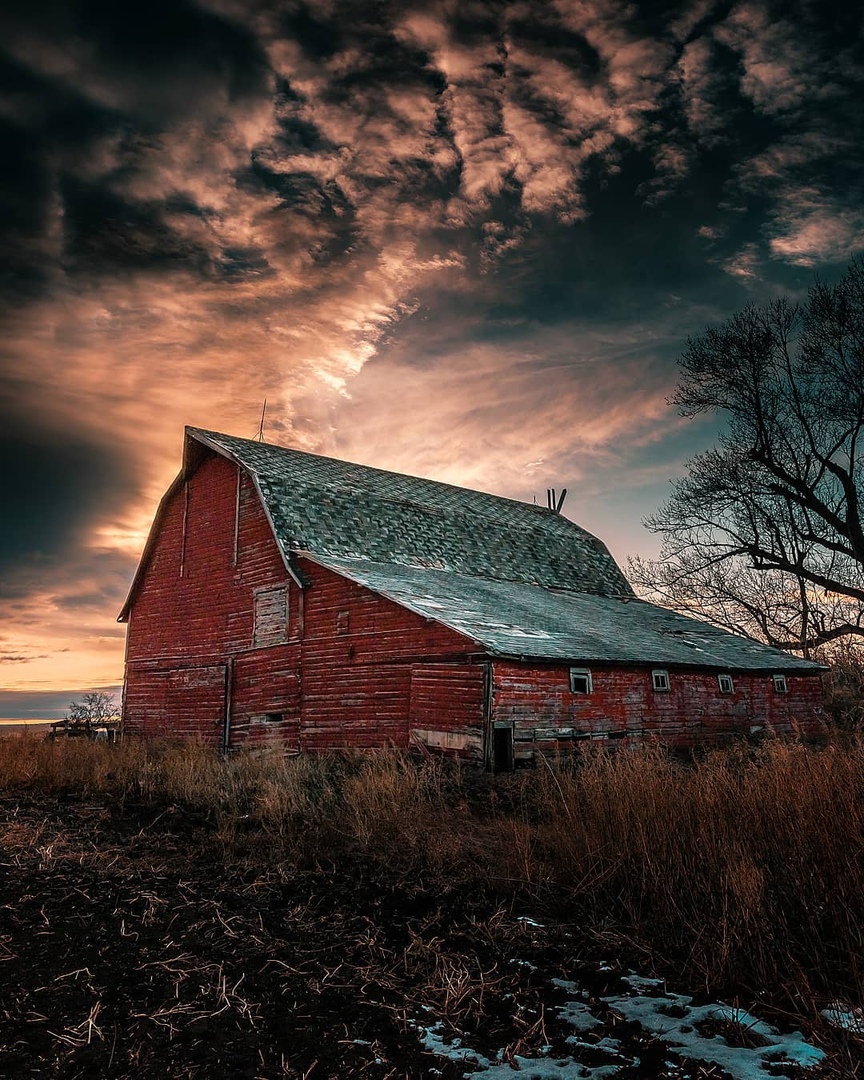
195	703
176	703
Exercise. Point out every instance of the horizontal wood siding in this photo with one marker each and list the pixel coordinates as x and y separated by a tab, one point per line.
179	703
194	607
447	708
358	652
266	682
537	700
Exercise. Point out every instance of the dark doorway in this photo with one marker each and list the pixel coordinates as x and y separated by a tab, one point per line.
502	749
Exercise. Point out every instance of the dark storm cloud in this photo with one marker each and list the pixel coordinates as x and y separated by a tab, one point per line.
52	485
506	217
82	87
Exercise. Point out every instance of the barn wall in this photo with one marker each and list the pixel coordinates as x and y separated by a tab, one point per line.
359	653
544	713
447	707
341	674
191	628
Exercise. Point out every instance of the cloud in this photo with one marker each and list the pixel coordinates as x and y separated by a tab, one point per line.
810	230
499	210
505	416
52	485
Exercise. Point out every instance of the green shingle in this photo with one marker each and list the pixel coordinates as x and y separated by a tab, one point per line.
335	508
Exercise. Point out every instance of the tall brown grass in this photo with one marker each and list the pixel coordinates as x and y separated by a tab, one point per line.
742	869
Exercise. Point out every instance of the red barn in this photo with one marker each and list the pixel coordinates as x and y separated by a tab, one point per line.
290	600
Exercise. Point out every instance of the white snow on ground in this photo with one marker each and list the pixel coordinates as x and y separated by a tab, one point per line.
671	1018
844	1016
744	1063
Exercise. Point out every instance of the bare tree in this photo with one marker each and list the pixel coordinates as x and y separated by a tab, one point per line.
95	709
767	605
765	533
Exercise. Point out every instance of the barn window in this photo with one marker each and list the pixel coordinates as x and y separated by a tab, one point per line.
580	681
271	616
780	686
343	622
726	684
660	679
274	717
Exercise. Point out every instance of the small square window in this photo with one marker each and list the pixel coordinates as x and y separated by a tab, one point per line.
580	681
274	717
726	684
660	680
270	618
780	686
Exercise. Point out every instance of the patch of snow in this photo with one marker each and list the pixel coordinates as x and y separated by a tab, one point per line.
566	1069
842	1015
672	1019
579	1016
741	1062
454	1049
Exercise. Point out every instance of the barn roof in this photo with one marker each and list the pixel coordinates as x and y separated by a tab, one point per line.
513	619
335	508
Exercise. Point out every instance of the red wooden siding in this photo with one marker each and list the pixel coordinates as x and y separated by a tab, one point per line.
358	654
447	705
537	700
194	609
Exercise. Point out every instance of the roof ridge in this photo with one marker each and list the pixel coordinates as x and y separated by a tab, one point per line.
541	510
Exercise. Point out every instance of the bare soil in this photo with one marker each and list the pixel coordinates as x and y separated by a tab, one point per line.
132	943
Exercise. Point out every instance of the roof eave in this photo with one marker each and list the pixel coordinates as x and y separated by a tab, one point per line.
803	668
186	471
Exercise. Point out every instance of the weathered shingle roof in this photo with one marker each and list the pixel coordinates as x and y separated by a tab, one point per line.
512	619
335	508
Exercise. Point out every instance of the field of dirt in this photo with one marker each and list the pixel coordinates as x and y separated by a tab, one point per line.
132	944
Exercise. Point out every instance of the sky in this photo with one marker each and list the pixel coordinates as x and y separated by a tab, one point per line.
466	240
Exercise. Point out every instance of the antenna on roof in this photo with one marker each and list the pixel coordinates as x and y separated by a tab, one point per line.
560	502
260	435
553	501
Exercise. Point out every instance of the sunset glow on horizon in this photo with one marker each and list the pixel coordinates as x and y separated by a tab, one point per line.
465	241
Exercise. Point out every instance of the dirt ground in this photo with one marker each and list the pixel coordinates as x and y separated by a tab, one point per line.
132	944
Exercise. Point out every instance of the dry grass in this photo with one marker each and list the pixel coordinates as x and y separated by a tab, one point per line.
741	870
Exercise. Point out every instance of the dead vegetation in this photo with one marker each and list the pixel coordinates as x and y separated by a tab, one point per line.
224	896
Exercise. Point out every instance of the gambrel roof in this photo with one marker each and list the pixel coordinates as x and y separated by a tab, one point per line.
518	580
335	508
